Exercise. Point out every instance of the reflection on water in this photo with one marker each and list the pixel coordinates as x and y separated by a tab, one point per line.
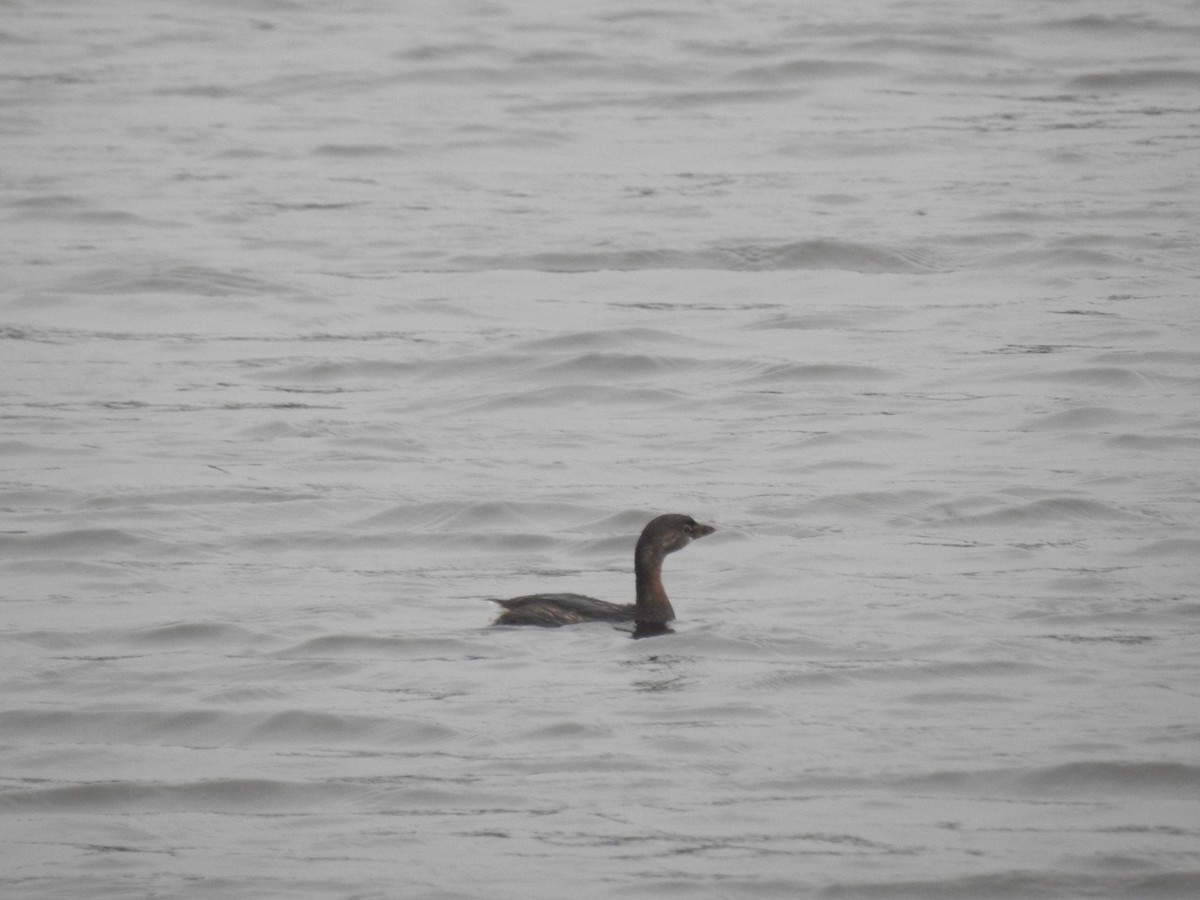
651	629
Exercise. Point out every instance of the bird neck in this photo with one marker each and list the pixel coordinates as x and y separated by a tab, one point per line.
652	605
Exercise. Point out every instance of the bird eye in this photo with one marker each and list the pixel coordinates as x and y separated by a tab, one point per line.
688	529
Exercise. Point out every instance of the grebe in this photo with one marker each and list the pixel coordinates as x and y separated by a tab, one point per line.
652	610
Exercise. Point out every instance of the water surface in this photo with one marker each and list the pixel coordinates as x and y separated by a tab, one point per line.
321	326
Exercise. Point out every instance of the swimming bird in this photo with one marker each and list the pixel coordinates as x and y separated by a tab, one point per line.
650	612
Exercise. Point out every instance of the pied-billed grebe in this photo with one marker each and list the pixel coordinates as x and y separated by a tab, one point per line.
651	612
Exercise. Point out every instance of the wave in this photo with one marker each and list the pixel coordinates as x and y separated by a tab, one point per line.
482	515
608	340
94	573
175	498
312	728
1046	510
945	675
394	794
800	373
360	647
869	504
1122	24
71	209
1062	258
213	726
330	371
1083	778
1108	778
74	542
1098	376
1187	549
589	396
1155	442
806	69
193	634
1186	359
180	278
245	795
810	254
1139	79
609	365
1084	418
1123	876
24	448
804	322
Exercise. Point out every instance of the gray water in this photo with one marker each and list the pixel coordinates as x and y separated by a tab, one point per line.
323	324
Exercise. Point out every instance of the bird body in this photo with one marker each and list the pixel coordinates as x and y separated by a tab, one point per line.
651	609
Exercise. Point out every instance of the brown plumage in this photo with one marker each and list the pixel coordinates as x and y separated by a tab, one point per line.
651	609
